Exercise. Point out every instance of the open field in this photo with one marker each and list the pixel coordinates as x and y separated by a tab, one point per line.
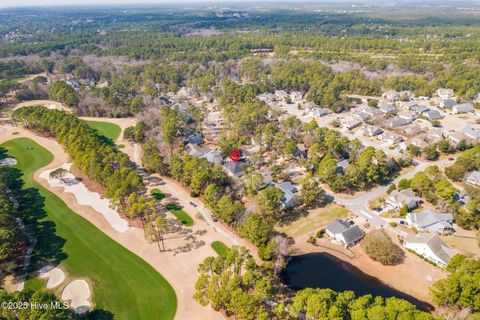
109	130
123	284
220	248
316	219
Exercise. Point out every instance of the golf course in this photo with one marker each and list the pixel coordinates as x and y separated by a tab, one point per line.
109	130
123	285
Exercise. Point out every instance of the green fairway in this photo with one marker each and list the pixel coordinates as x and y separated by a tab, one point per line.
180	214
124	285
109	130
220	248
157	194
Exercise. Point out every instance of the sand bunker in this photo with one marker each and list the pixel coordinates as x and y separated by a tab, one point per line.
55	276
87	197
7	162
78	292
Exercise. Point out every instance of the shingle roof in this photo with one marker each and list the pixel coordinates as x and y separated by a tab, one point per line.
434	242
432	221
350	233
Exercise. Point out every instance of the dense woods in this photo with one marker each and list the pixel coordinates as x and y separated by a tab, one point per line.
89	152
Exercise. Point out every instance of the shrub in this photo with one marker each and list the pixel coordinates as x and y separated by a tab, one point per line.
312	240
320	233
393	224
379	247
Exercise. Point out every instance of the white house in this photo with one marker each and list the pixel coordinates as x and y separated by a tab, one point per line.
398	199
296	96
341	231
390	95
430	246
281	95
463	108
473	178
289	191
431	221
445	93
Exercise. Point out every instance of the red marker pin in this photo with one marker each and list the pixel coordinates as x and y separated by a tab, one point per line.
235	154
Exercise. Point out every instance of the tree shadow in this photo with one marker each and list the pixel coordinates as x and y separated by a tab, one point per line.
99	315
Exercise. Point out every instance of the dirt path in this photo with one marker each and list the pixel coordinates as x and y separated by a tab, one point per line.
184	251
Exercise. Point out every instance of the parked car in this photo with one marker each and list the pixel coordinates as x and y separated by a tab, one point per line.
215	219
450	159
192	204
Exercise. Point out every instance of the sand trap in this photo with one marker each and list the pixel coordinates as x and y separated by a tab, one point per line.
78	292
55	276
7	162
87	197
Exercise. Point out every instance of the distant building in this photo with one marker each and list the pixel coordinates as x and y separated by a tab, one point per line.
387	108
445	93
472	133
406	94
419	108
431	221
463	108
369	130
447	104
396	122
434	135
343	232
430	246
213	156
351	123
455	137
390	138
390	95
432	115
473	178
266	97
289	191
233	169
280	95
398	199
296	96
320	112
407	115
342	165
195	150
412	130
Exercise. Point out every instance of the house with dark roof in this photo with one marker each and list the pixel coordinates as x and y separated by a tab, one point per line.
463	108
430	221
289	191
387	108
341	231
447	104
430	246
432	115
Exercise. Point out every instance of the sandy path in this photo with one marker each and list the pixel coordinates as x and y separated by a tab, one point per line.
420	275
180	270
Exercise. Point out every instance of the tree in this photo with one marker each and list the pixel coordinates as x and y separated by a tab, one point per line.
430	152
378	246
253	183
310	191
269	200
228	209
58	174
255	229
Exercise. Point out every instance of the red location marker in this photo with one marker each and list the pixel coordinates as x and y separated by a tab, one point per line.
235	154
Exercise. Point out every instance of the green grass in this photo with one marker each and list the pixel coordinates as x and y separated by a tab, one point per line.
157	194
15	133
123	284
180	214
220	248
121	146
109	130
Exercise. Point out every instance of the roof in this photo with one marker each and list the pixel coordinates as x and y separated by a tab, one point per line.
196	151
288	190
431	221
397	122
420	108
233	167
473	175
435	244
213	156
349	233
432	114
448	103
464	107
386	107
403	197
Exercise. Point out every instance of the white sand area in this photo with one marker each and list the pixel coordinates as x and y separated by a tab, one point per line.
55	276
78	292
7	162
87	197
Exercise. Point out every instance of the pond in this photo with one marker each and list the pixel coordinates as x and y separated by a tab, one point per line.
323	270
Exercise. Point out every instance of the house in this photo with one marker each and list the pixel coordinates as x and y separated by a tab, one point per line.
407	115
396	122
195	150
371	111
414	141
387	108
371	131
463	108
412	130
455	136
289	191
473	178
233	169
360	115
390	95
434	135
213	156
74	84
445	93
447	104
406	95
194	138
430	246
472	133
280	95
390	137
351	123
431	221
399	199
320	112
342	165
343	232
432	115
419	108
296	96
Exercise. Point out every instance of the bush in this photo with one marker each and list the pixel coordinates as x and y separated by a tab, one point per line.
312	240
320	233
393	224
391	187
379	247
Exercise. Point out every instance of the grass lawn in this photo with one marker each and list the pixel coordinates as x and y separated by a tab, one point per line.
157	194
109	130
220	248
315	220
124	285
180	214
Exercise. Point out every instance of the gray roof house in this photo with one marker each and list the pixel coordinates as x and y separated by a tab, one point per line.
412	130
447	104
195	150
213	156
233	169
463	108
390	95
351	123
455	136
396	122
431	221
445	93
472	133
430	246
387	108
434	135
407	115
419	108
343	232
369	130
398	199
432	115
473	178
342	165
289	191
